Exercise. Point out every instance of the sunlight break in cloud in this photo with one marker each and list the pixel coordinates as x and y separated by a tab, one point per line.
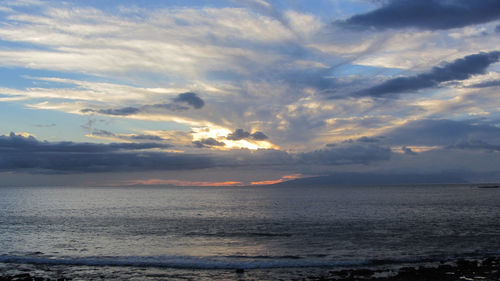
268	86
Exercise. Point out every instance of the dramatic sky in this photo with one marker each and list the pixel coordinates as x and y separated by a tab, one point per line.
238	92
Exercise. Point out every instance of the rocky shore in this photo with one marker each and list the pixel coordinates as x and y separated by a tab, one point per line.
460	270
463	270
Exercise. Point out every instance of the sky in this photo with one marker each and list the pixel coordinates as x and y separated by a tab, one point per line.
249	92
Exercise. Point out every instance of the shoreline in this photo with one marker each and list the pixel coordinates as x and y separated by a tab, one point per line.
446	270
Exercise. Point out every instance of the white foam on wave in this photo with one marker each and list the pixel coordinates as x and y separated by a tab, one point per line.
181	262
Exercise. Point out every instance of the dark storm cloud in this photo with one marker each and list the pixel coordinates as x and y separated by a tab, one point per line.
427	14
497	29
459	69
240	134
18	153
207	143
447	133
182	102
345	154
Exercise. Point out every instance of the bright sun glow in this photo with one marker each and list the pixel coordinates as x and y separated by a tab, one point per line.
220	134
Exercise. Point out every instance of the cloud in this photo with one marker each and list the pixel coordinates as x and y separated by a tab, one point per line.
181	42
180	183
368	139
476	144
427	14
486	84
45	125
189	98
240	134
19	153
408	151
117	111
127	137
207	143
145	138
445	133
459	69
346	154
258	136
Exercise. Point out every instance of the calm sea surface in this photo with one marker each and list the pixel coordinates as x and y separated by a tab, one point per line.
205	232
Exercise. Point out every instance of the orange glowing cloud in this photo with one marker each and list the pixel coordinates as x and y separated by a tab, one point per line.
282	179
206	183
183	183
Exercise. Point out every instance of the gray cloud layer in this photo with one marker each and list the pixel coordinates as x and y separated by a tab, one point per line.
207	143
427	14
140	138
27	153
191	99
486	84
467	134
240	134
20	153
346	154
182	102
459	69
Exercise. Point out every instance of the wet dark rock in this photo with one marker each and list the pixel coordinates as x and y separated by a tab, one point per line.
22	277
363	272
448	270
489	186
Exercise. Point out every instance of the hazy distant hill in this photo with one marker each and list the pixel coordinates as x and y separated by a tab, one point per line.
373	179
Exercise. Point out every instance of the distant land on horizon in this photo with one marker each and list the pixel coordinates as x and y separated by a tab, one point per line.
374	179
352	179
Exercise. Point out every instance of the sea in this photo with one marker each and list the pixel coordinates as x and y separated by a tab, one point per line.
266	232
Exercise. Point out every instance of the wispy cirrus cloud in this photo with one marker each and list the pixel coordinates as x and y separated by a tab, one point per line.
252	84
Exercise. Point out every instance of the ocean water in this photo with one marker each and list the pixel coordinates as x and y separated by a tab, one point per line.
207	232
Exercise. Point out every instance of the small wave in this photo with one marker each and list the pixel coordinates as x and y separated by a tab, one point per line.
239	234
266	257
219	262
183	262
